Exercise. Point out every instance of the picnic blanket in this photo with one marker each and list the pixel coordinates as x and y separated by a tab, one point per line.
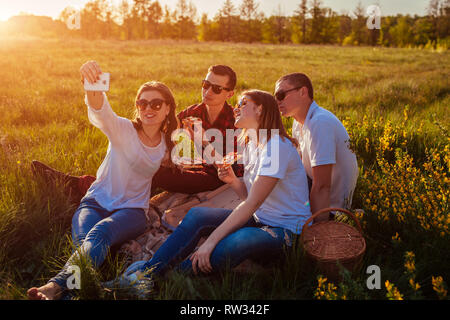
166	211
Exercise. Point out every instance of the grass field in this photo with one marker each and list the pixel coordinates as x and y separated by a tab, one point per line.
394	103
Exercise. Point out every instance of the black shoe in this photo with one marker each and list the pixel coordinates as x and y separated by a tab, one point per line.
49	174
54	177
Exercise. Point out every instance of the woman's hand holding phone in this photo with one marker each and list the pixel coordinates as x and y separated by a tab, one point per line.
91	72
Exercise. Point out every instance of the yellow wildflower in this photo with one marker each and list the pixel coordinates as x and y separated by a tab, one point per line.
414	285
439	287
392	292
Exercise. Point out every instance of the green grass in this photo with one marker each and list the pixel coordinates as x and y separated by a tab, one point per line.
43	117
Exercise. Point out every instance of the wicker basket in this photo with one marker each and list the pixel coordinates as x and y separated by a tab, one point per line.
330	242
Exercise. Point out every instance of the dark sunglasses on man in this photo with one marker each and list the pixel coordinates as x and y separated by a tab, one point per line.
281	95
155	104
215	88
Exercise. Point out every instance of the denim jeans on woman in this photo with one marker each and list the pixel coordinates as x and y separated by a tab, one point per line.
253	240
95	230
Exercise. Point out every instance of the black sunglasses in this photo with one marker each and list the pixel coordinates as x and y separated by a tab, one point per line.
155	104
281	95
215	88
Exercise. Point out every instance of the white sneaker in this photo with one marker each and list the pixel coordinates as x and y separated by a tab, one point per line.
135	266
133	281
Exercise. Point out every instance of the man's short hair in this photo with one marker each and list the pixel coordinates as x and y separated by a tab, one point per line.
223	70
299	80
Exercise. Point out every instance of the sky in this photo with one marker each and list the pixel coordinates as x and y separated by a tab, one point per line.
53	8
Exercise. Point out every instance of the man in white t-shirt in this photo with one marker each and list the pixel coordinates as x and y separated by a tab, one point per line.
323	144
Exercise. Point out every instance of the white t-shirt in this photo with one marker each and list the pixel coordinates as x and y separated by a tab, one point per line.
124	178
324	140
287	206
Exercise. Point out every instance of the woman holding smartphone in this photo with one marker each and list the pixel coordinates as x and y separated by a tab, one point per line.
114	208
275	206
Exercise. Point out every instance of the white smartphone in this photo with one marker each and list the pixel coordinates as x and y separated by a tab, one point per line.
100	85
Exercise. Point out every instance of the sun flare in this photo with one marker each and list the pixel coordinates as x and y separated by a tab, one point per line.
4	16
6	12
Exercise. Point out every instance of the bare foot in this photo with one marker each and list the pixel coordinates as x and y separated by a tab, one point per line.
50	291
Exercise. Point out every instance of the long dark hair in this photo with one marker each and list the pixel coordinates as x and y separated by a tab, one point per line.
170	123
270	117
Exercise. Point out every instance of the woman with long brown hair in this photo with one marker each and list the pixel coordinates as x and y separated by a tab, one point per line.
275	204
114	208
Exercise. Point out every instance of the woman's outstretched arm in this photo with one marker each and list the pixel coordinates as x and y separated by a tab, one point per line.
100	113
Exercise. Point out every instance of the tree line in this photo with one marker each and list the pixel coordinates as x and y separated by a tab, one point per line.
310	23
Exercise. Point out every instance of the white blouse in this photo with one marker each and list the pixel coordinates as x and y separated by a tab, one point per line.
124	178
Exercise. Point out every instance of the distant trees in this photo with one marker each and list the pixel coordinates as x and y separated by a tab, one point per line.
422	31
251	23
243	21
36	26
302	19
148	16
439	17
96	17
184	20
276	28
224	26
125	18
228	22
317	19
237	24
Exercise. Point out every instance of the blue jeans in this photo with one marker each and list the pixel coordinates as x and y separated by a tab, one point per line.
253	240
95	230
